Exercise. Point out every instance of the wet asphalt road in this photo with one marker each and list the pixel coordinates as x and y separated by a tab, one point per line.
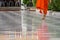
11	21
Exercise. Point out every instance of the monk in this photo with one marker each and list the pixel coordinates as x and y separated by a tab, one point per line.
42	5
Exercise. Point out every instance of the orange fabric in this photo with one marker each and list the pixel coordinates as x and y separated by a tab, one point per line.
42	5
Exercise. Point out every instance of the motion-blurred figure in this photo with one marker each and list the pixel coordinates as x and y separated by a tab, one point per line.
0	3
11	3
17	3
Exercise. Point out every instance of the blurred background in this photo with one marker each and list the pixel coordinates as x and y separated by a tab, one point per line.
21	21
10	3
53	4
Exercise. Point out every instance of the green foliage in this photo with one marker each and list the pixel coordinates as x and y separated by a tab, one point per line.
55	5
25	1
34	3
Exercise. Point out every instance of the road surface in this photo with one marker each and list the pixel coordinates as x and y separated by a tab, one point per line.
11	21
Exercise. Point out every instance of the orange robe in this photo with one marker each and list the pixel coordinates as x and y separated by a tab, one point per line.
42	5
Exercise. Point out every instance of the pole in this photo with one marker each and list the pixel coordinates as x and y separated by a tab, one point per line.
24	29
